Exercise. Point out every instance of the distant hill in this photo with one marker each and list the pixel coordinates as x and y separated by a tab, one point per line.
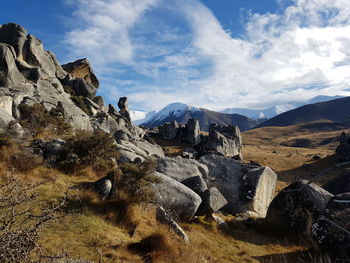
335	111
278	109
181	113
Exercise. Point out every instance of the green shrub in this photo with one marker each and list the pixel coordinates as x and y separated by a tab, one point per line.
134	184
39	121
97	150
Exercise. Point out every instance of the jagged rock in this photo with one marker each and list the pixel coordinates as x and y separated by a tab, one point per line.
14	35
163	218
9	74
332	229
81	68
181	169
179	201
123	106
295	206
80	86
343	150
196	184
168	130
226	141
192	132
213	201
189	153
339	184
246	188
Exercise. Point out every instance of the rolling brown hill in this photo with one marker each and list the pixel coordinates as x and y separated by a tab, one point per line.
335	111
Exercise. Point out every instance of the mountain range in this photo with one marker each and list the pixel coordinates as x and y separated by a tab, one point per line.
242	117
181	113
278	109
337	110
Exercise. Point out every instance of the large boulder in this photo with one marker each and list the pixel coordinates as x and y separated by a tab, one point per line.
331	230
123	106
226	141
196	184
192	132
179	201
296	205
181	169
339	184
79	86
81	68
247	188
75	116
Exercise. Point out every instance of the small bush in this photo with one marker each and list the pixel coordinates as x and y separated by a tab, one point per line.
39	121
97	150
135	182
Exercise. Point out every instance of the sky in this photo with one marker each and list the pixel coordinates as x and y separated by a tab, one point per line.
214	54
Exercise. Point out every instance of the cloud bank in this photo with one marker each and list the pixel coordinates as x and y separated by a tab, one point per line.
157	52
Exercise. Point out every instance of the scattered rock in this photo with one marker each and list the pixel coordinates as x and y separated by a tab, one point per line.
105	187
246	188
295	206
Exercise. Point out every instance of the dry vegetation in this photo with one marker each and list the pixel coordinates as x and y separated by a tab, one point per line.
86	229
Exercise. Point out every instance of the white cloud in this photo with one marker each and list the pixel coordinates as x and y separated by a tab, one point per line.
102	29
296	54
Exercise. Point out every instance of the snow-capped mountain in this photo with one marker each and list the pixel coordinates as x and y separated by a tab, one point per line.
278	109
181	113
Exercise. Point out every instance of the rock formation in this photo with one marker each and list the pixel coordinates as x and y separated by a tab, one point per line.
247	188
343	150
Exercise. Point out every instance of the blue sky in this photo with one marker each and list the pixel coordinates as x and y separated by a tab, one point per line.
211	53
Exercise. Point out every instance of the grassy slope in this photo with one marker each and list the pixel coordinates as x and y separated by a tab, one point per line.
89	223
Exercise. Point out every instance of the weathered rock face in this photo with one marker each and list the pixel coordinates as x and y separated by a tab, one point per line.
247	188
339	184
343	150
81	68
332	229
5	122
192	132
295	206
226	141
140	150
179	201
181	169
169	130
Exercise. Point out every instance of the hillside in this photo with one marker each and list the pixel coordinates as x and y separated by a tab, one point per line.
182	112
335	111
